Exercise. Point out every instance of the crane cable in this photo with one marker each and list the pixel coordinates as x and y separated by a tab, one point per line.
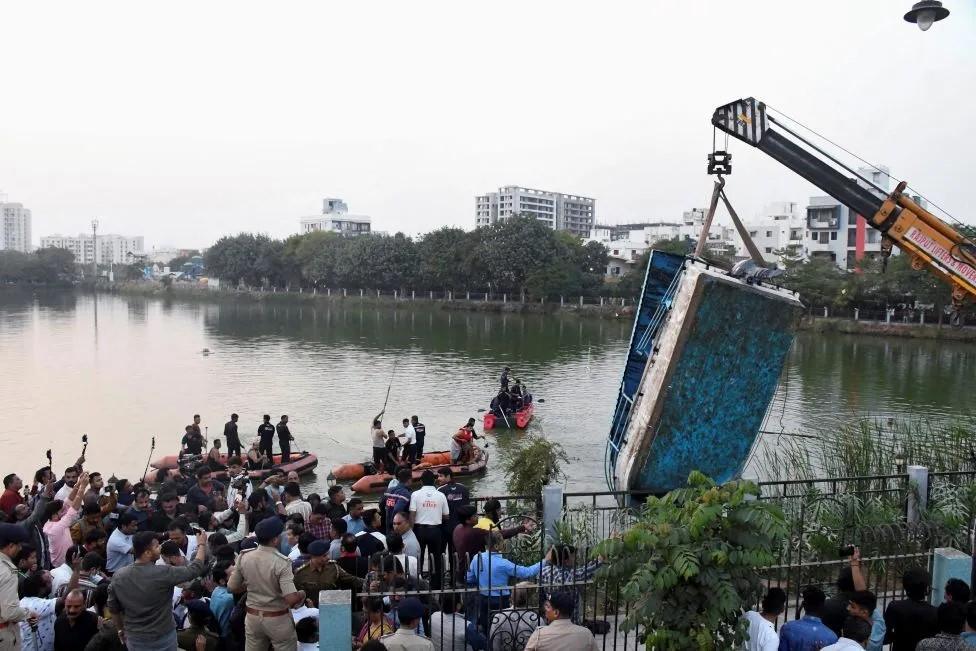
956	250
866	162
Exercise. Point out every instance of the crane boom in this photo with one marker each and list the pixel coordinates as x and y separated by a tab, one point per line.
931	242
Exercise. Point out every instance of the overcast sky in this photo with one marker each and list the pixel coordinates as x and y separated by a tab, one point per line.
183	121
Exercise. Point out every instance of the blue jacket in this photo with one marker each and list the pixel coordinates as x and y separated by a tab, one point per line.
490	571
396	500
807	634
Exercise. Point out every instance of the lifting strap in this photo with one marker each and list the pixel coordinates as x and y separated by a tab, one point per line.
718	192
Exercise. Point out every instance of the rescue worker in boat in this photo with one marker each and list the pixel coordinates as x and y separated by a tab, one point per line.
256	459
284	439
266	432
392	451
463	438
379	442
504	378
516	393
192	442
502	404
213	457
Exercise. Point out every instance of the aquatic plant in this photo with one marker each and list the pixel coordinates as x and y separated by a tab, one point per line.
532	463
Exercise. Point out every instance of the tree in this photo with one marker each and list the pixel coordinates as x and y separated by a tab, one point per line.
240	258
46	266
316	254
512	249
818	280
445	259
688	565
51	265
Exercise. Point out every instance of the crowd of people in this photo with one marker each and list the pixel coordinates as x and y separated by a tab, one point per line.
852	619
215	560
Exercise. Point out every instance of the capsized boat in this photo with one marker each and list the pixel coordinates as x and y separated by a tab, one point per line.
376	483
519	419
705	358
301	462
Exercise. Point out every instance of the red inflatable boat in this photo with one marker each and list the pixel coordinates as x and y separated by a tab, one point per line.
301	462
354	471
518	420
377	483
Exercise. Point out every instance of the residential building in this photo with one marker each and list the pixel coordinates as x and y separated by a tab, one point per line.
562	212
335	218
626	242
106	249
163	254
834	232
778	232
15	227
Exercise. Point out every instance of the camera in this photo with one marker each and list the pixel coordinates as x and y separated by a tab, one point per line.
846	552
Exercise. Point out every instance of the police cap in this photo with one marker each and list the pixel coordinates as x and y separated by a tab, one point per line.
318	548
269	528
410	609
12	534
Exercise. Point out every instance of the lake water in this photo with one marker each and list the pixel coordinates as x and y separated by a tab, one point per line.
125	369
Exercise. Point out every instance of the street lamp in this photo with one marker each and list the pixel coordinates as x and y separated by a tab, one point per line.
926	12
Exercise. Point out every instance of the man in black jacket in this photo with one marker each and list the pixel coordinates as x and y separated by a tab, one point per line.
232	438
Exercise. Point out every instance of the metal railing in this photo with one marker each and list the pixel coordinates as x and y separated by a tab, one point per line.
503	617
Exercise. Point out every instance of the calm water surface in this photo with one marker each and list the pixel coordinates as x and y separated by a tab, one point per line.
126	369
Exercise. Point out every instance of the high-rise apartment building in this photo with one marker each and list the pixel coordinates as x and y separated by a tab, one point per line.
107	249
562	212
15	227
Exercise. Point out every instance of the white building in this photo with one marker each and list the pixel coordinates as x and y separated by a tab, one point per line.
822	228
15	227
335	218
778	232
110	249
626	242
562	212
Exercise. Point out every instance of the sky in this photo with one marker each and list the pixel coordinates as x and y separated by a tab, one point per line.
186	121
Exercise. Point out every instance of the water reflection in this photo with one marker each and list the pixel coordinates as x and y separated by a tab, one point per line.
328	367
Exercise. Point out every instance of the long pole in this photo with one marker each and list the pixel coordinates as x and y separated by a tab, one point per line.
149	460
390	386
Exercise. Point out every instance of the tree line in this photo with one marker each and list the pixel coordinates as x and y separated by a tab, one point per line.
514	256
48	266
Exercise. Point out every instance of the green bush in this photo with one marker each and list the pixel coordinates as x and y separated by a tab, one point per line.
689	564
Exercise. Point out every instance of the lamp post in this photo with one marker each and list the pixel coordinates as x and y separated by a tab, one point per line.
94	224
926	12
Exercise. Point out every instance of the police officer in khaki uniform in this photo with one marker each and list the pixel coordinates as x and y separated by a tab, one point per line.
320	573
11	538
265	574
409	612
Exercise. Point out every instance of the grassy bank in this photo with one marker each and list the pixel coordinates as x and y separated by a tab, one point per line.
193	293
912	331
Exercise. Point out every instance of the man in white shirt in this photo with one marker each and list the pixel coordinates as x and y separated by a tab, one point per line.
856	633
409	437
119	547
401	525
762	625
292	497
428	512
70	478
